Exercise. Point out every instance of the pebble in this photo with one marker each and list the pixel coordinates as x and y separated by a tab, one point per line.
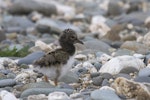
97	65
115	65
36	91
142	79
135	46
144	72
97	80
5	95
56	26
128	70
97	45
46	8
104	94
70	77
30	58
2	36
37	97
7	82
36	85
124	86
58	96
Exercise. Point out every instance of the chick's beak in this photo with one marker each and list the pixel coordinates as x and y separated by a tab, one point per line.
78	41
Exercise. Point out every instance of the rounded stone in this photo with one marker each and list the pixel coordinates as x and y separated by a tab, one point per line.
116	64
105	82
97	45
46	91
97	80
30	58
58	96
142	79
144	72
123	75
7	82
97	65
5	95
128	70
104	95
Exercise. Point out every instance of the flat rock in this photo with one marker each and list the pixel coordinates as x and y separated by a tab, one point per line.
36	91
30	58
115	65
7	82
28	6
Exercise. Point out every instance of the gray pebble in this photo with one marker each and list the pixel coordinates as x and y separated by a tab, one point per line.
106	75
7	82
11	75
128	70
142	79
104	95
97	65
30	58
70	77
105	82
36	91
97	80
144	72
123	75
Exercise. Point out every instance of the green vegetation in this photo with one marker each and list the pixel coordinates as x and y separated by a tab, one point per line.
6	52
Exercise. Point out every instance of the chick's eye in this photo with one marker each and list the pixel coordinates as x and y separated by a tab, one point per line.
72	37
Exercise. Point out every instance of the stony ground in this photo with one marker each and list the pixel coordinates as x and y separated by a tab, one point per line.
113	63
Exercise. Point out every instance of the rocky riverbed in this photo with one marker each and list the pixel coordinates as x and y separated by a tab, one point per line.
113	63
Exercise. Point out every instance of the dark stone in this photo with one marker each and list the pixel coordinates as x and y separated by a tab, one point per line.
128	70
2	35
123	75
105	82
95	74
106	76
97	81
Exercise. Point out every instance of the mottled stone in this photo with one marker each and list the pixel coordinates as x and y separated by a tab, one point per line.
131	89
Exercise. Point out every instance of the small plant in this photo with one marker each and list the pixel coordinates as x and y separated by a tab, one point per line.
6	52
